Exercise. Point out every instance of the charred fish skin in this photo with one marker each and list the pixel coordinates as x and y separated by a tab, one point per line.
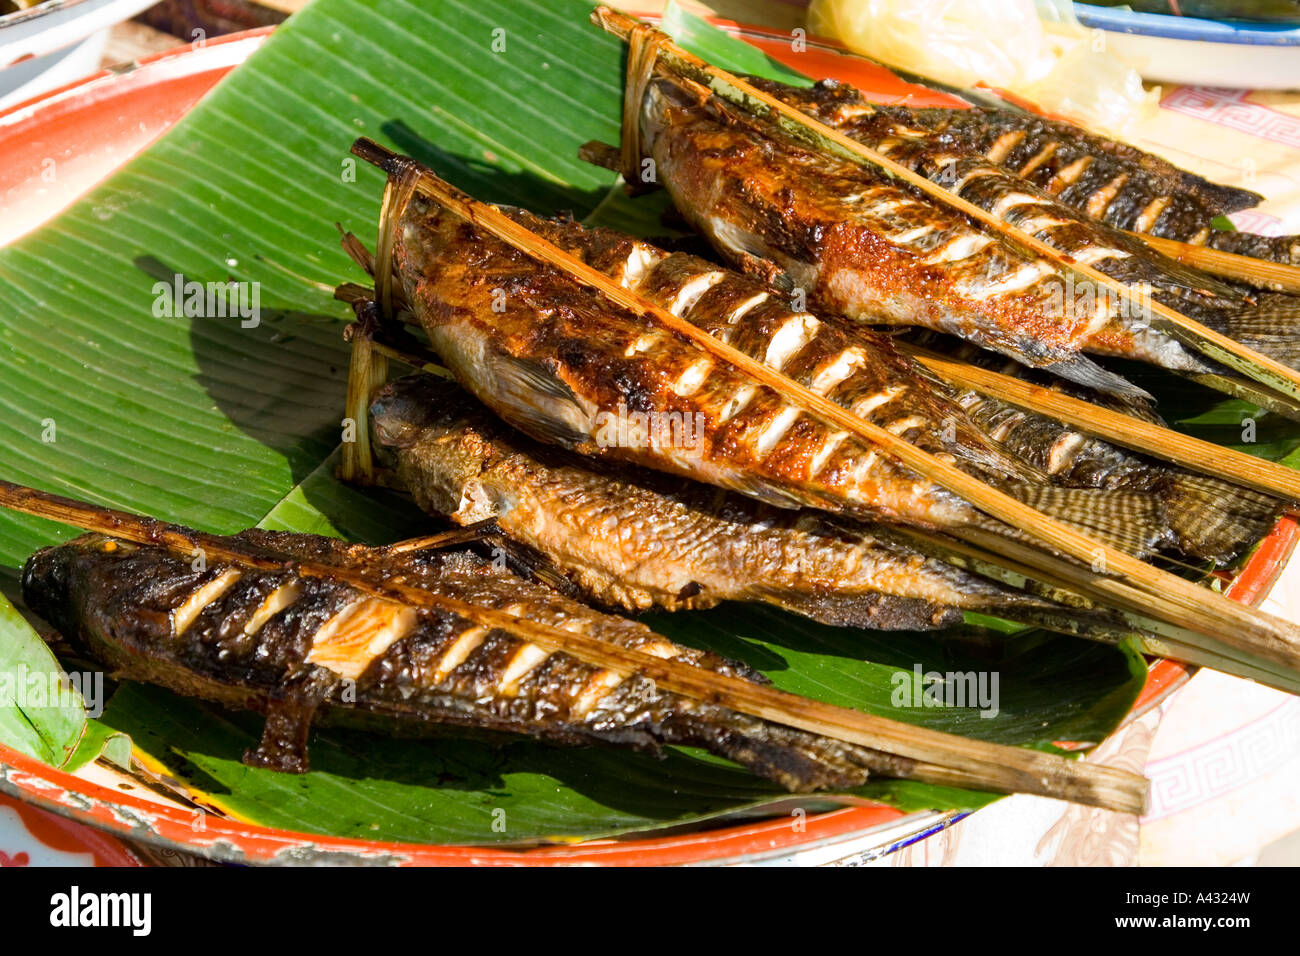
558	362
1077	230
634	540
1207	518
866	246
1118	184
291	646
1121	185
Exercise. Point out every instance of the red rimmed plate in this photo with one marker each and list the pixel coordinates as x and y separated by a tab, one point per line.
89	129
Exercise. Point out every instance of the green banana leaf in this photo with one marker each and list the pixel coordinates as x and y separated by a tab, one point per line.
112	394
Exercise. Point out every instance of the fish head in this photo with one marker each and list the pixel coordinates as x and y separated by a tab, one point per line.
55	580
440	441
482	305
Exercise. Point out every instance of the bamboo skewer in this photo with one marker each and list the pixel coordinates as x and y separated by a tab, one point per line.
1125	430
817	135
1193	607
1261	273
1071	586
944	758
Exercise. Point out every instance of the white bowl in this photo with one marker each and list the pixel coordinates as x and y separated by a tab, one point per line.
1192	52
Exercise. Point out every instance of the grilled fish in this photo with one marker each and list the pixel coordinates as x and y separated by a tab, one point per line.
1114	182
872	249
561	364
635	539
292	646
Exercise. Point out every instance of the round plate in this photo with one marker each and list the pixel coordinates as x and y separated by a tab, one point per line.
1194	52
98	124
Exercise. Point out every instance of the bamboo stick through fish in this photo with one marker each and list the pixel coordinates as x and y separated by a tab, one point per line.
816	135
1260	273
1135	433
943	758
1180	602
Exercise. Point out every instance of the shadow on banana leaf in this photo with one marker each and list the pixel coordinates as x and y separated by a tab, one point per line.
488	182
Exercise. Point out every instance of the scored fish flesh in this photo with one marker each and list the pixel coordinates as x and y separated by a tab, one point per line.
292	646
558	361
1119	184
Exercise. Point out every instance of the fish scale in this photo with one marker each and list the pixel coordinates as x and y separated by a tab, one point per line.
683	545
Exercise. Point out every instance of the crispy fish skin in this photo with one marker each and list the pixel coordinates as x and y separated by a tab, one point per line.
634	539
1121	185
688	131
864	245
289	646
559	362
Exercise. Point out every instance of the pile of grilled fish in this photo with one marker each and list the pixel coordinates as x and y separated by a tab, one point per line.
561	364
647	473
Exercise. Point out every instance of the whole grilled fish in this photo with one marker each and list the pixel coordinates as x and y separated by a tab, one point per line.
870	248
636	539
560	363
292	646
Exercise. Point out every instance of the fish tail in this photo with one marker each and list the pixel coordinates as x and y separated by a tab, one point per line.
1213	519
1132	521
797	760
1271	327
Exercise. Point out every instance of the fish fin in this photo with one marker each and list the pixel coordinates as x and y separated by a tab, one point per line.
1214	519
865	609
1084	371
283	746
1271	327
535	400
1131	521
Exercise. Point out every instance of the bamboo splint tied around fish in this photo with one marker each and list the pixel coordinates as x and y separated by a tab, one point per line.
904	749
1278	385
1167	597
